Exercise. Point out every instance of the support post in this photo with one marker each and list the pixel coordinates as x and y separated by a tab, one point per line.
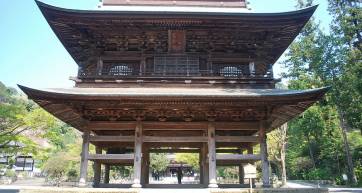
137	156
241	174
145	166
264	154
205	165
97	169
241	169
84	159
250	150
201	166
212	156
107	169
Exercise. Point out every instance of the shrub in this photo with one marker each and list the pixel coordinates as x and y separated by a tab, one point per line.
56	167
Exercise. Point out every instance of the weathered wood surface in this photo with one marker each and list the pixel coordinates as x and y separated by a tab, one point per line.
137	156
95	157
237	139
264	153
111	139
174	139
240	157
84	159
212	156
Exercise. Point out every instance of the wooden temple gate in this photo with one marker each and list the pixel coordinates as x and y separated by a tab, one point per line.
197	78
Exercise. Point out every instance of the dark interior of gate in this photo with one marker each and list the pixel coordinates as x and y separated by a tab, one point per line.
194	78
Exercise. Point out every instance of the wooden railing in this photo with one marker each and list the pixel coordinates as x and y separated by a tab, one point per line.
173	66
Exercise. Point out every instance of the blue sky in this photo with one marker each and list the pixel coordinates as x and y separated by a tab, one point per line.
30	53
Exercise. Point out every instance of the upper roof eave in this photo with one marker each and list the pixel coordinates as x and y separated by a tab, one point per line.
302	12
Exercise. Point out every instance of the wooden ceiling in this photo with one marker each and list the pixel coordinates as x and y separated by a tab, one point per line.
261	37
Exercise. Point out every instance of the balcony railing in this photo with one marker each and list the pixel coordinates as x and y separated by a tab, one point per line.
174	66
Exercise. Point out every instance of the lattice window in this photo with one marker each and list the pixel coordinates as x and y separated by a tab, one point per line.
230	71
120	70
176	65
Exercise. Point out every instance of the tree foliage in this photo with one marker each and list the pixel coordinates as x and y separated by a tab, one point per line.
191	159
158	162
319	144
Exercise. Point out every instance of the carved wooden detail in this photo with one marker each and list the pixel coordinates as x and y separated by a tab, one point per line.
163	115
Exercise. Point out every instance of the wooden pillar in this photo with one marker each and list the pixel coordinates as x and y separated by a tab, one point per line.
201	166
107	169
97	167
241	174
137	156
84	159
99	66
204	170
241	169
264	154
212	156
250	150
145	166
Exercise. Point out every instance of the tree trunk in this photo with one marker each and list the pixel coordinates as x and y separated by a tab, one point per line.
282	153
351	175
311	152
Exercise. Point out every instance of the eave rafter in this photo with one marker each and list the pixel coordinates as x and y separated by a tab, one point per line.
88	33
80	110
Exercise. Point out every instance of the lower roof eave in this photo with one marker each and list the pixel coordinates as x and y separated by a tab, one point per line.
161	93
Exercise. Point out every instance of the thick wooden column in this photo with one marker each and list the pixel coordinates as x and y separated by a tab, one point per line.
84	159
241	174
107	169
137	156
250	150
212	156
145	166
264	154
97	169
241	169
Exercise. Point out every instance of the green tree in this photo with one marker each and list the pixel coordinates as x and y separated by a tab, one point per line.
191	159
56	167
158	162
320	137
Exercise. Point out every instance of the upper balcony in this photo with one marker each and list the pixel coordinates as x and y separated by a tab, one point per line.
176	69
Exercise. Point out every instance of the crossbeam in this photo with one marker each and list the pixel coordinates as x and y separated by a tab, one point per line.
157	125
111	156
174	150
236	139
99	138
174	139
238	157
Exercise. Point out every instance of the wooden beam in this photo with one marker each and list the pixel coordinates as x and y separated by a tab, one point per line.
175	145
236	126
107	169
237	139
137	156
95	157
264	154
84	159
227	150
100	138
212	156
175	125
105	125
157	125
237	157
97	169
174	139
174	151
